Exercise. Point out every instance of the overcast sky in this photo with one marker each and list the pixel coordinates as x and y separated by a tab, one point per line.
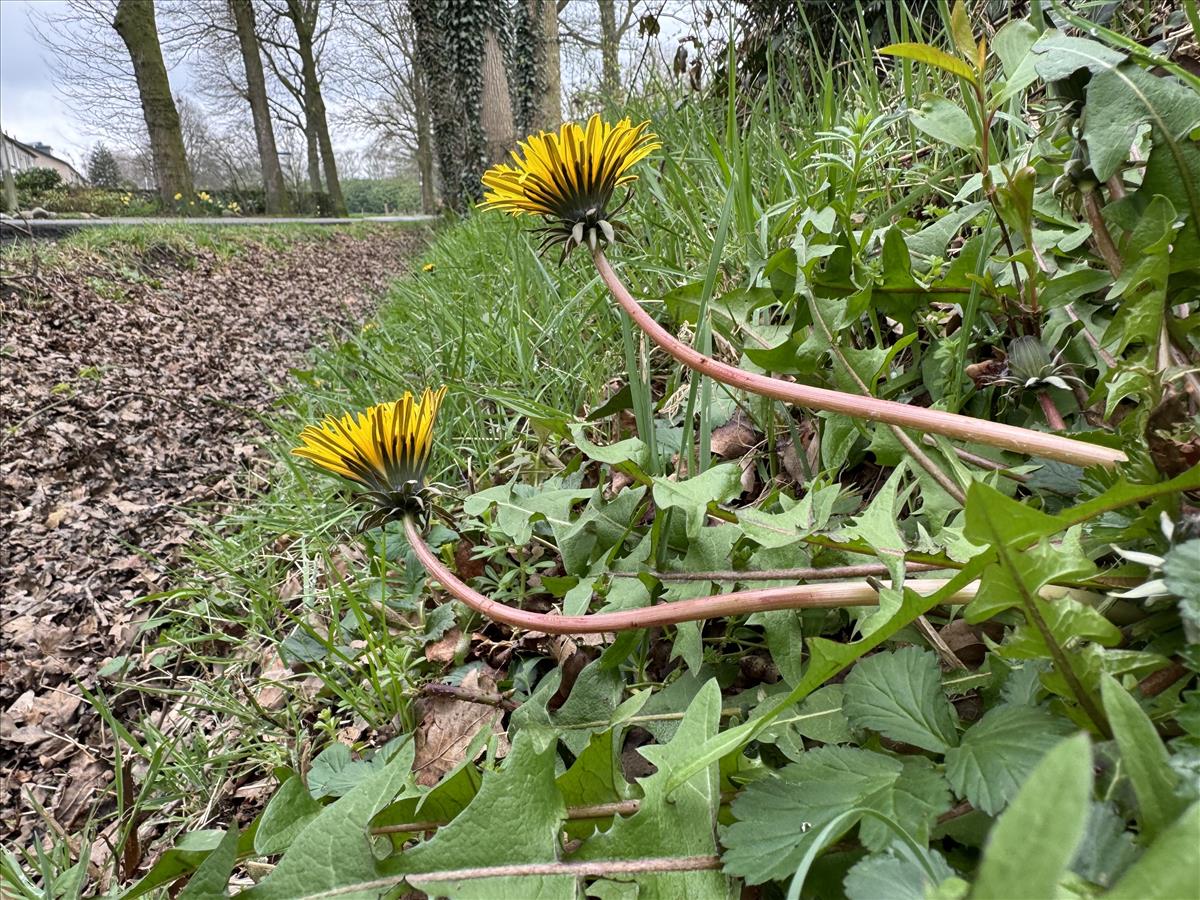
30	108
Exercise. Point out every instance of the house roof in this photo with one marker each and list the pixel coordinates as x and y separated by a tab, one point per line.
35	152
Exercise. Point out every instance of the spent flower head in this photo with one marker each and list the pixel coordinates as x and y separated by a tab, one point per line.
568	177
385	449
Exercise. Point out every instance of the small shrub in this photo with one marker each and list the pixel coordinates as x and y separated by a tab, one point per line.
38	181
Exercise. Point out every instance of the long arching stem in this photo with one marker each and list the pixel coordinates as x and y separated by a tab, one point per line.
890	412
805	596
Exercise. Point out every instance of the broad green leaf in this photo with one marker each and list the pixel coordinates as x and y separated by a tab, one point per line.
334	850
779	817
189	852
1181	575
1131	97
1142	285
827	658
999	751
717	485
895	877
796	522
994	518
931	56
1144	757
1059	56
335	773
597	529
1012	44
818	718
945	121
1170	868
1032	844
595	776
899	694
211	878
593	700
1125	493
1107	849
1068	620
784	634
632	450
684	825
286	815
515	818
933	240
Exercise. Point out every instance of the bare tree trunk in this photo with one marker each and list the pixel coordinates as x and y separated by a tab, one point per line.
549	114
313	155
496	114
610	60
304	18
424	121
277	200
134	22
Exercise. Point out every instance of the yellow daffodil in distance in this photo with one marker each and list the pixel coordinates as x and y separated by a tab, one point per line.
568	178
385	449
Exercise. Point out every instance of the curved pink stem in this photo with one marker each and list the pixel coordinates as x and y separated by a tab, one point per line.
918	418
740	603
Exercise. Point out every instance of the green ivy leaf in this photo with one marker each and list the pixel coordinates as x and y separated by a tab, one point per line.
899	694
1032	844
999	751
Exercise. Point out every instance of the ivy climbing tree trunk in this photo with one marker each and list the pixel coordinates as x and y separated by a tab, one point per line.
134	22
610	59
459	49
277	200
303	14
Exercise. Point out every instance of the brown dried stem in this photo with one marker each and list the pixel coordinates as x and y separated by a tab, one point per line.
890	412
738	603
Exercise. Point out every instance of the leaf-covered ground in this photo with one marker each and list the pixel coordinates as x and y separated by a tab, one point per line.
134	380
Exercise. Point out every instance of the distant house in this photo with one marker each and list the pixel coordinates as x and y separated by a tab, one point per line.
19	156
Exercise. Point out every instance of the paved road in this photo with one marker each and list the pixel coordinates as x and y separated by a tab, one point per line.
10	228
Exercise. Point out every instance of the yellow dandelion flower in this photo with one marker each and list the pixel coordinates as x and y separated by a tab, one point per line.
385	449
568	177
428	267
